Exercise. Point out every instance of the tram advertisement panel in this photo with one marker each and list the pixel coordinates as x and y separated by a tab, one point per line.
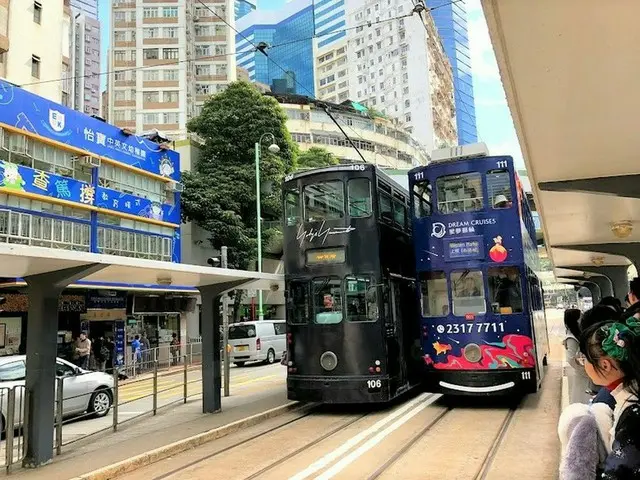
473	293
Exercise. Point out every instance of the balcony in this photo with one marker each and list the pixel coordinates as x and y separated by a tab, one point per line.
159	61
160	41
124	63
124	24
125	44
160	20
124	5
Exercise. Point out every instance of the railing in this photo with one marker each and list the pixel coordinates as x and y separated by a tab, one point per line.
164	389
164	356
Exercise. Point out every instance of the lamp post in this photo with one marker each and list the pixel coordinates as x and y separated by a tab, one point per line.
273	148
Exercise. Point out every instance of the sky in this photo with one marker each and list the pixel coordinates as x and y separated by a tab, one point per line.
493	118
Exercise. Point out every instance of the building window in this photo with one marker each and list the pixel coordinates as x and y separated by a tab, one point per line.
150	118
37	12
171	12
150	32
151	75
35	66
170	97
151	97
170	75
150	12
171	32
171	118
203	70
170	53
150	53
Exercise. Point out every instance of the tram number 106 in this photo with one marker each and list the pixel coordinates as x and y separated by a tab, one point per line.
374	384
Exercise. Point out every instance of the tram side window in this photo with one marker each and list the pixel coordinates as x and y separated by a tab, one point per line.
292	206
384	201
298	302
434	294
505	290
422	199
460	193
468	292
361	300
399	213
359	198
323	201
499	188
327	300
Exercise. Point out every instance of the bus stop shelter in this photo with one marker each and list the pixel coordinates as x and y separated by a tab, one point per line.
48	272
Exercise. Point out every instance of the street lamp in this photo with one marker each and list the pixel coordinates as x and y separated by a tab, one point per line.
273	148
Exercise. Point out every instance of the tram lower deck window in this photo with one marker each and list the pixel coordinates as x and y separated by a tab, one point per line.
467	289
298	302
361	299
505	290
327	300
434	294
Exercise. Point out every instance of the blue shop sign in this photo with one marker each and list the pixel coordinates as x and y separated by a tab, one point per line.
27	111
141	207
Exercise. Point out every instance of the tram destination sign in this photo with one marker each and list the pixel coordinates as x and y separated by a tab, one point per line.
322	256
469	248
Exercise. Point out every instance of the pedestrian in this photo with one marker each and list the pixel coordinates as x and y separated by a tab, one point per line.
135	350
174	348
145	347
83	350
100	354
580	387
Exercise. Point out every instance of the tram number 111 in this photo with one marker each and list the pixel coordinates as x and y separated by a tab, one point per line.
374	384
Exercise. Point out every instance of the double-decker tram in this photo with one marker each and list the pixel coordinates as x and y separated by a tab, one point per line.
352	315
482	313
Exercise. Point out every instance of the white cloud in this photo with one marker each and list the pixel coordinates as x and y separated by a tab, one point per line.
483	60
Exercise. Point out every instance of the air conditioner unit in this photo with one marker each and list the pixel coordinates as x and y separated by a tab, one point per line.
89	161
176	187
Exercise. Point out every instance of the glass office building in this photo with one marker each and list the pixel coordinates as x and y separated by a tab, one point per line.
289	35
244	8
451	22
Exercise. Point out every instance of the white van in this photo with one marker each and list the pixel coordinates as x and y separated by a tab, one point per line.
261	341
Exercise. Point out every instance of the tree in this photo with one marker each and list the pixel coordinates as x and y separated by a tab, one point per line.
316	157
219	195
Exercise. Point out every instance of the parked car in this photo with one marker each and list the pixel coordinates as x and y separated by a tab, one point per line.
261	341
83	390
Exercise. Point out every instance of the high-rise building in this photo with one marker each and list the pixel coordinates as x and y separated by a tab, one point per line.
243	8
288	34
396	67
88	7
451	20
86	64
35	46
167	59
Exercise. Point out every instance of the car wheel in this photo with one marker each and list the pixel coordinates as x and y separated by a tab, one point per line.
271	357
100	403
239	364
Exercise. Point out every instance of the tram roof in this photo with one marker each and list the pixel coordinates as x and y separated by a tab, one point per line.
574	100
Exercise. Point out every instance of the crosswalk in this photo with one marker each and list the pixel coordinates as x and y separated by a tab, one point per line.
172	387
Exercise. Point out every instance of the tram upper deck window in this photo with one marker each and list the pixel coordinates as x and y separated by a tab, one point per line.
467	290
327	300
460	193
399	213
361	299
434	294
505	290
359	198
298	302
324	201
292	206
499	188
384	203
422	199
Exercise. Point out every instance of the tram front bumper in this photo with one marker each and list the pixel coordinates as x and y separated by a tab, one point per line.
343	389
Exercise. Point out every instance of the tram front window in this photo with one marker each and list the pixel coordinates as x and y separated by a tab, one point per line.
359	198
468	292
361	300
298	302
460	193
292	206
327	300
323	201
434	294
505	290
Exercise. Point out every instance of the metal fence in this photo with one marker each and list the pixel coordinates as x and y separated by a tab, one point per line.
165	356
164	389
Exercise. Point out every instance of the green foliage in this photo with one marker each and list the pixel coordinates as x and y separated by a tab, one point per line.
220	194
316	157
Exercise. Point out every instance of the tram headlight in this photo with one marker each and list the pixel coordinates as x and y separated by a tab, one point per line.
328	361
472	353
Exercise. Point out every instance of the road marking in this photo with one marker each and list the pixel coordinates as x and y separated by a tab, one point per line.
349	459
353	441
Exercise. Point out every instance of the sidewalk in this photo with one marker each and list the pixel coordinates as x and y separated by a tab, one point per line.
141	436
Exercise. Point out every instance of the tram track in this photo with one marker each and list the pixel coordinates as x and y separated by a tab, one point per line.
409	444
487	461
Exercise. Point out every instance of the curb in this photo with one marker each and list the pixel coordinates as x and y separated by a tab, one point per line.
564	395
166	451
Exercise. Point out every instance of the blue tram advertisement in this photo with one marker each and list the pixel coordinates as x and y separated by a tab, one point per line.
482	311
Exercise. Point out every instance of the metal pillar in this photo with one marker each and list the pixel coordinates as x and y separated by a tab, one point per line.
42	327
210	331
225	327
594	288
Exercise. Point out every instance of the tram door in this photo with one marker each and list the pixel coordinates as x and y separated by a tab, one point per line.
395	333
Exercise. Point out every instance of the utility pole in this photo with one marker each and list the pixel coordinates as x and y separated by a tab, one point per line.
225	325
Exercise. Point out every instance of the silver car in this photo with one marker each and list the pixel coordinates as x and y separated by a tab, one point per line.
83	390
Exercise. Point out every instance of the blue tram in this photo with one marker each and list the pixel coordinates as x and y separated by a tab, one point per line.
482	312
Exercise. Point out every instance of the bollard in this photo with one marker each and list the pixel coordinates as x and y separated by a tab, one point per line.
9	426
185	379
116	399
155	387
59	413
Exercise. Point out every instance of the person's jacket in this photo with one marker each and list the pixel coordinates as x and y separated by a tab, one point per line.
624	460
631	311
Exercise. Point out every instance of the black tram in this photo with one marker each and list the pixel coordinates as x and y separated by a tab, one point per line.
352	315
